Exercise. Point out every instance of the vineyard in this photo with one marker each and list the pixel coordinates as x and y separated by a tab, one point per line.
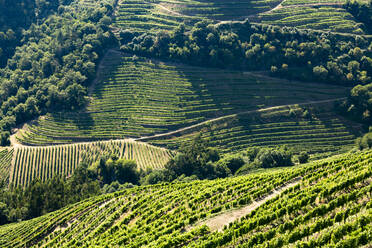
313	128
186	90
330	206
6	156
45	162
320	18
161	15
138	97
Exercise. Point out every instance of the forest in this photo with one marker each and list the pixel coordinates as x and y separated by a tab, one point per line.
52	67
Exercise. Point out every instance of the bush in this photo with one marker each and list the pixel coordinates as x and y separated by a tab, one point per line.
364	142
232	162
303	157
269	158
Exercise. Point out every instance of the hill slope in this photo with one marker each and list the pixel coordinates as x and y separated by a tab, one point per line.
135	97
314	128
161	15
331	205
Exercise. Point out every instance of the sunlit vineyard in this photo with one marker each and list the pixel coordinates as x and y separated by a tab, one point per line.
320	18
6	156
45	162
313	128
154	16
330	206
299	2
139	97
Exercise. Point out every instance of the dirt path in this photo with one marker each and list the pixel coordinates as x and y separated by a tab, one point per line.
279	6
217	223
171	11
230	116
13	140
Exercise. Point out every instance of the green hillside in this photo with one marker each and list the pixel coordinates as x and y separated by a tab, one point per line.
163	15
186	123
45	162
314	128
330	205
136	97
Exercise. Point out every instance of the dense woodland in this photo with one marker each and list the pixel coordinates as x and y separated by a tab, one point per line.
52	68
17	16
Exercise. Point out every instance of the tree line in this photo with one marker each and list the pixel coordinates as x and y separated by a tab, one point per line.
286	52
296	54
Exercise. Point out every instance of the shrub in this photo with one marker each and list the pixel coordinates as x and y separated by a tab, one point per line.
303	157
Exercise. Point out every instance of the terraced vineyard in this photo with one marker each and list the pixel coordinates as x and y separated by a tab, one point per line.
320	2
313	128
143	16
45	162
141	97
6	156
154	16
320	18
162	15
331	206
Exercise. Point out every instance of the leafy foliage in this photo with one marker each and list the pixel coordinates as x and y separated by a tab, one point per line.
362	12
305	55
39	198
53	66
114	169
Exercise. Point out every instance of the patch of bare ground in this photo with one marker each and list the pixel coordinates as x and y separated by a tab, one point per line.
216	223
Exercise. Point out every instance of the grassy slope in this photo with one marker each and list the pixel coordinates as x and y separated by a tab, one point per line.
331	205
45	162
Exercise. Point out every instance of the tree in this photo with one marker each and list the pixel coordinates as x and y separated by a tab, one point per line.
193	159
320	72
269	158
303	157
233	163
4	212
75	95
